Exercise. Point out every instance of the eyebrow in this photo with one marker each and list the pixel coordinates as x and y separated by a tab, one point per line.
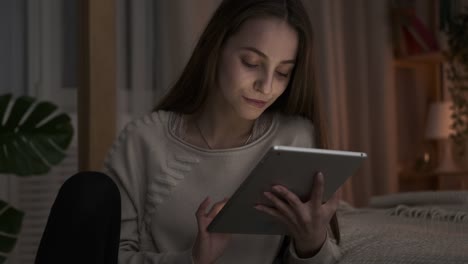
265	56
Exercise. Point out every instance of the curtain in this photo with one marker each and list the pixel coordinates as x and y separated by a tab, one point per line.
355	75
155	41
13	47
12	66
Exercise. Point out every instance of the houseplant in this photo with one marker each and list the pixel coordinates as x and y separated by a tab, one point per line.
33	138
457	55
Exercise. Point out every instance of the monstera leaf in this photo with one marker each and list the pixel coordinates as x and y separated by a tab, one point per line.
10	225
32	137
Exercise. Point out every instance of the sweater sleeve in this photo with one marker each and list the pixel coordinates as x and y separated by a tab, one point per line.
125	165
329	253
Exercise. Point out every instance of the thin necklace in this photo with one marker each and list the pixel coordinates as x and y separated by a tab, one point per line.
208	144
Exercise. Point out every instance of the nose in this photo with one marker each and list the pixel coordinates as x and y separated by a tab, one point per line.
264	84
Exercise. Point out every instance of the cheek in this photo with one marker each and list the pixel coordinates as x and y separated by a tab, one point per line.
232	77
280	88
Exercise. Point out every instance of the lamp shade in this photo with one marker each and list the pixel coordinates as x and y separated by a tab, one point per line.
439	120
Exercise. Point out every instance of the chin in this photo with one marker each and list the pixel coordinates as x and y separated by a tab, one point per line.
252	114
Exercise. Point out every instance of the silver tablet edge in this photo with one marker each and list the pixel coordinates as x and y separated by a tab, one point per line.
321	151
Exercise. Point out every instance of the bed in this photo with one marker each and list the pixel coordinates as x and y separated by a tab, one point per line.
419	227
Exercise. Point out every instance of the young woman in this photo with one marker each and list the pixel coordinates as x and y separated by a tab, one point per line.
248	85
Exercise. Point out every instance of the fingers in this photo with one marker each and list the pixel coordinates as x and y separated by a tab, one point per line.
202	207
203	218
281	206
317	190
200	215
216	208
294	202
289	196
274	212
332	205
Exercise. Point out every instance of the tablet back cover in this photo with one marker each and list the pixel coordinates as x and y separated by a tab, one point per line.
288	166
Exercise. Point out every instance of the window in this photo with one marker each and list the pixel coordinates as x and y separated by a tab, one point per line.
48	32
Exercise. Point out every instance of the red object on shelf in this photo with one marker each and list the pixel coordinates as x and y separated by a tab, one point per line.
423	32
412	36
411	44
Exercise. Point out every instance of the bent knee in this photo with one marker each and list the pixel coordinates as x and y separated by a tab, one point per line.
92	190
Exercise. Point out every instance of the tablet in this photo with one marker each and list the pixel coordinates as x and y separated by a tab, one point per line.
291	167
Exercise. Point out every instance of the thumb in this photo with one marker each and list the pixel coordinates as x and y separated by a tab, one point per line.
216	208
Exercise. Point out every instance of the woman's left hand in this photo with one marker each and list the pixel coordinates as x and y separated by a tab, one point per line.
307	221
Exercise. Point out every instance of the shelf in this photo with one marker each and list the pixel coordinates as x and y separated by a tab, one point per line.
410	61
411	181
453	181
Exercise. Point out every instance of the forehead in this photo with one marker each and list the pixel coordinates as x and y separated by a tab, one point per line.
273	36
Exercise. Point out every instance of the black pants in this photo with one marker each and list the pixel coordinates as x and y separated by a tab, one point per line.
84	222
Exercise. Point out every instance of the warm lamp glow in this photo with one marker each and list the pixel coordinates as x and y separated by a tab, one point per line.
439	120
439	127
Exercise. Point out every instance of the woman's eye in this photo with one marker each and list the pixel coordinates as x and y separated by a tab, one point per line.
283	75
250	65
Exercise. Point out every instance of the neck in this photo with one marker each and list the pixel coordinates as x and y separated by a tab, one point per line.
220	127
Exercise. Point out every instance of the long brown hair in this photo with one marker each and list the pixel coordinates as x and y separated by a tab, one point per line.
301	97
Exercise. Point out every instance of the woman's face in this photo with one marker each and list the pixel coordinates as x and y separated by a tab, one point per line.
255	66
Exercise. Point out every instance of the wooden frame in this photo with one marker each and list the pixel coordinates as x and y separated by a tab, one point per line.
97	92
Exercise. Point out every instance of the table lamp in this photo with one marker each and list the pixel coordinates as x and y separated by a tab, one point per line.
438	128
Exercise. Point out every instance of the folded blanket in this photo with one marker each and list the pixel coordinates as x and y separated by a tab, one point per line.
451	198
406	228
433	213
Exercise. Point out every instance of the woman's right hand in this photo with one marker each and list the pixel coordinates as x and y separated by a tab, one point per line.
208	247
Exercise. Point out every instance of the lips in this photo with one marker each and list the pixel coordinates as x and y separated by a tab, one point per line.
256	103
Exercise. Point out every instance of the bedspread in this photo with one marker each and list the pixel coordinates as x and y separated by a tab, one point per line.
424	227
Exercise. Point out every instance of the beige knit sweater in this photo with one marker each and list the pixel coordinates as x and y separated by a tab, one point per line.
163	179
